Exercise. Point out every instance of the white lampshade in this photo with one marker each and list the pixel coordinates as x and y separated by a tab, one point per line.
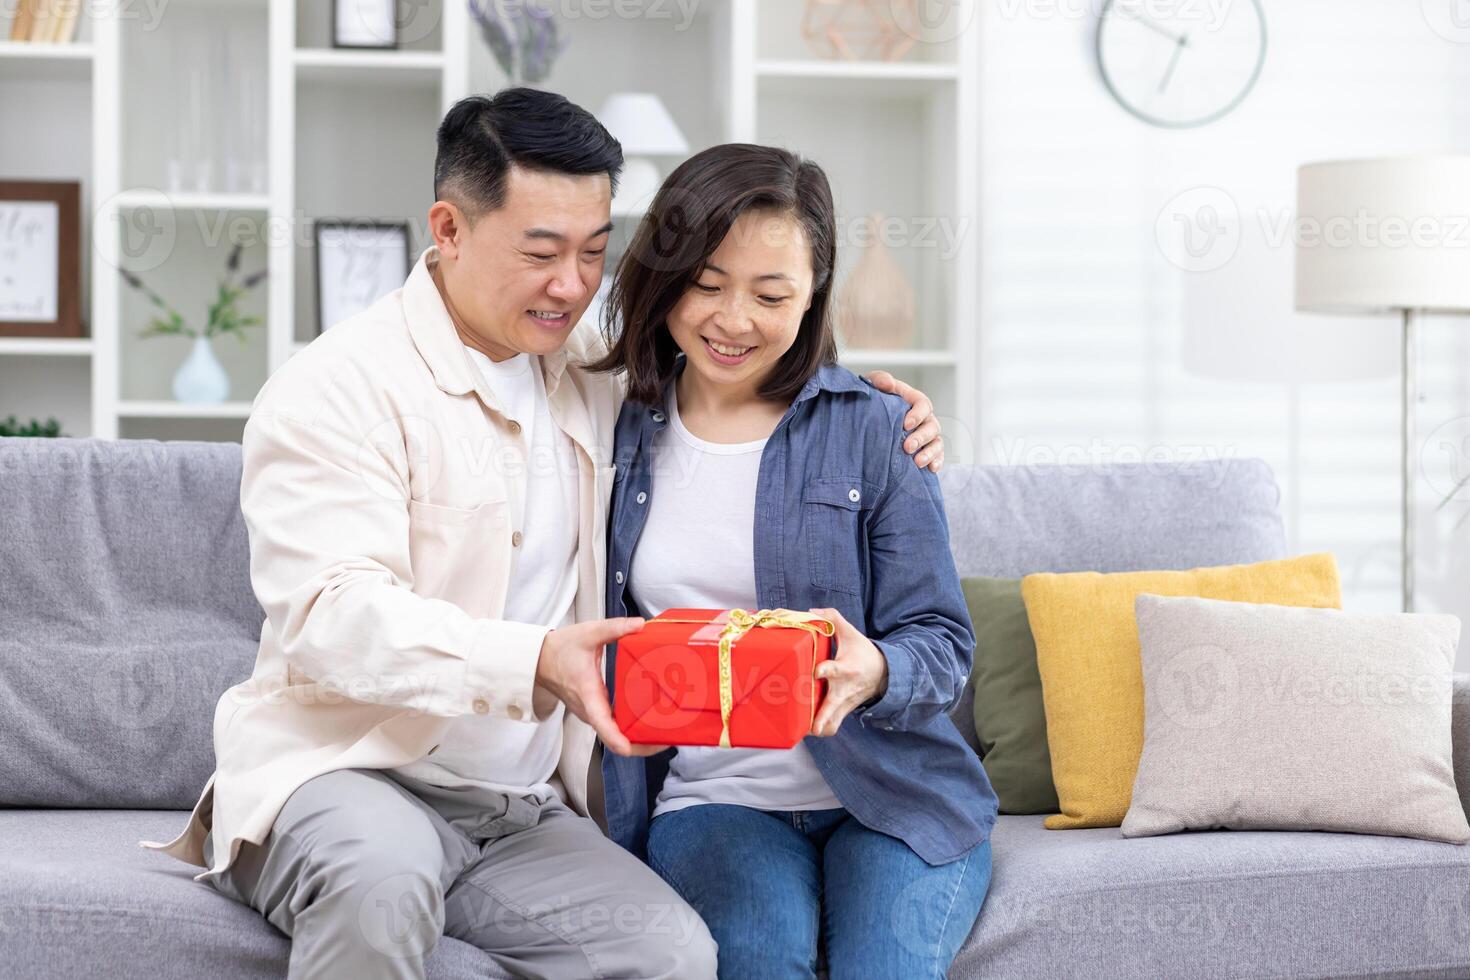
1384	235
640	122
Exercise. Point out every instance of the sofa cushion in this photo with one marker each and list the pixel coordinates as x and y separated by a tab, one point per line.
80	899
1011	520
1262	717
1091	680
1218	904
127	612
1010	716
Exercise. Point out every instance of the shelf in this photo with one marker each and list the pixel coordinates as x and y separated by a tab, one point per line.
369	67
20	60
181	410
46	346
898	357
192	200
860	79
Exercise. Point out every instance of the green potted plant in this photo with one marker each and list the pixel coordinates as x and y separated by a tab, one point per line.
201	378
49	429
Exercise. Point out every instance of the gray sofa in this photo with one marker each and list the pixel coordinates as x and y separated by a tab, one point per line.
125	609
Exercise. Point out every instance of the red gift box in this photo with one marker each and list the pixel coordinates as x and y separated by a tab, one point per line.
725	677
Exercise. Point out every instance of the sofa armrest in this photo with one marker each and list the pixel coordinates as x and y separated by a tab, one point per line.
1460	735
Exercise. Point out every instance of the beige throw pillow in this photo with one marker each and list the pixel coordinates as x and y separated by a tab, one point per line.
1265	717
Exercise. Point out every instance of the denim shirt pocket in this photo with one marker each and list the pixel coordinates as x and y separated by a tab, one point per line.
835	529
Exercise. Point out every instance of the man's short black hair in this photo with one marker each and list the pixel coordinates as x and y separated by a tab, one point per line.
480	138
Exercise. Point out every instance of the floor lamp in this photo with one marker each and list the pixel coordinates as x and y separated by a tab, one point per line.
1387	236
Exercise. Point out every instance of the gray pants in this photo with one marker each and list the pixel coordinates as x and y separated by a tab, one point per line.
364	869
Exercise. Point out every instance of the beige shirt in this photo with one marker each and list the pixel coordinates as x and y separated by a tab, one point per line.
383	513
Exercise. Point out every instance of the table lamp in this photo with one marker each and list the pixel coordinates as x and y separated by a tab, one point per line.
641	123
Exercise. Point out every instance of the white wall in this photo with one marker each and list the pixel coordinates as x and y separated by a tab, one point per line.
1085	320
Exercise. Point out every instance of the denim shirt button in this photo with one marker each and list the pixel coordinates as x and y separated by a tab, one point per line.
642	497
854	495
658	416
618	578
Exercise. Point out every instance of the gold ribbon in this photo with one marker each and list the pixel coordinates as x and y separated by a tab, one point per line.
742	621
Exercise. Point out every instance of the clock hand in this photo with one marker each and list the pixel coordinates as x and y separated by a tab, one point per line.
1156	27
1174	62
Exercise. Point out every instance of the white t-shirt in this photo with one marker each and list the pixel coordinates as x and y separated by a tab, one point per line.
697	550
500	753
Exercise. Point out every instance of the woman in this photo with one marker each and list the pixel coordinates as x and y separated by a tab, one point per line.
752	471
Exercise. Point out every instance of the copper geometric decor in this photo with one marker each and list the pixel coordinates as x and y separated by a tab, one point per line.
859	30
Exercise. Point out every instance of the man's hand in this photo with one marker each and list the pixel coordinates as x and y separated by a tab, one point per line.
858	672
923	442
568	671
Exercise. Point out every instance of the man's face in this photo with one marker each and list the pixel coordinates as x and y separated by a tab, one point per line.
521	277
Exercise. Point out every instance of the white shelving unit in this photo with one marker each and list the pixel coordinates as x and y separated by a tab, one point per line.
351	135
900	139
45	347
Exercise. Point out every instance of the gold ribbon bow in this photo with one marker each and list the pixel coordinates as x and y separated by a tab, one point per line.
742	621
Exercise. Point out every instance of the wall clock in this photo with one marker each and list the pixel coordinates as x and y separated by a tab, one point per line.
1181	63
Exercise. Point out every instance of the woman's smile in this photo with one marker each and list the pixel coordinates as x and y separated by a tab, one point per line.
727	354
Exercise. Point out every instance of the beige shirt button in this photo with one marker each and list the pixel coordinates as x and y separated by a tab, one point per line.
515	427
481	706
515	712
515	540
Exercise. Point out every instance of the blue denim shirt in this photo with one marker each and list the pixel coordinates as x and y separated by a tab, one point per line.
843	518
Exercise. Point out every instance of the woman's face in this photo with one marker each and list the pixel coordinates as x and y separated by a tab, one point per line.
743	311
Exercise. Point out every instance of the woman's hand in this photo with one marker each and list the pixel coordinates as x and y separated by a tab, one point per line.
858	673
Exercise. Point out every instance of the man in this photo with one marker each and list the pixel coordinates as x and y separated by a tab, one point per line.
425	488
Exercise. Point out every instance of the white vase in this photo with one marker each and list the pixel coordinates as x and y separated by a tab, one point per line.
201	379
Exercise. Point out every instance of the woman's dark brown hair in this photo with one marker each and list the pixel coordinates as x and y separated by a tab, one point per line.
689	218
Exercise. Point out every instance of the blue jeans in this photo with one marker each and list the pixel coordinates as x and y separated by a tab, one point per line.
771	884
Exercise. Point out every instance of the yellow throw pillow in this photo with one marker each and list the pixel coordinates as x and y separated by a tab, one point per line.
1091	676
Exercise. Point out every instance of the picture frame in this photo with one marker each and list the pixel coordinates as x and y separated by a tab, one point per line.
40	258
358	261
364	24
